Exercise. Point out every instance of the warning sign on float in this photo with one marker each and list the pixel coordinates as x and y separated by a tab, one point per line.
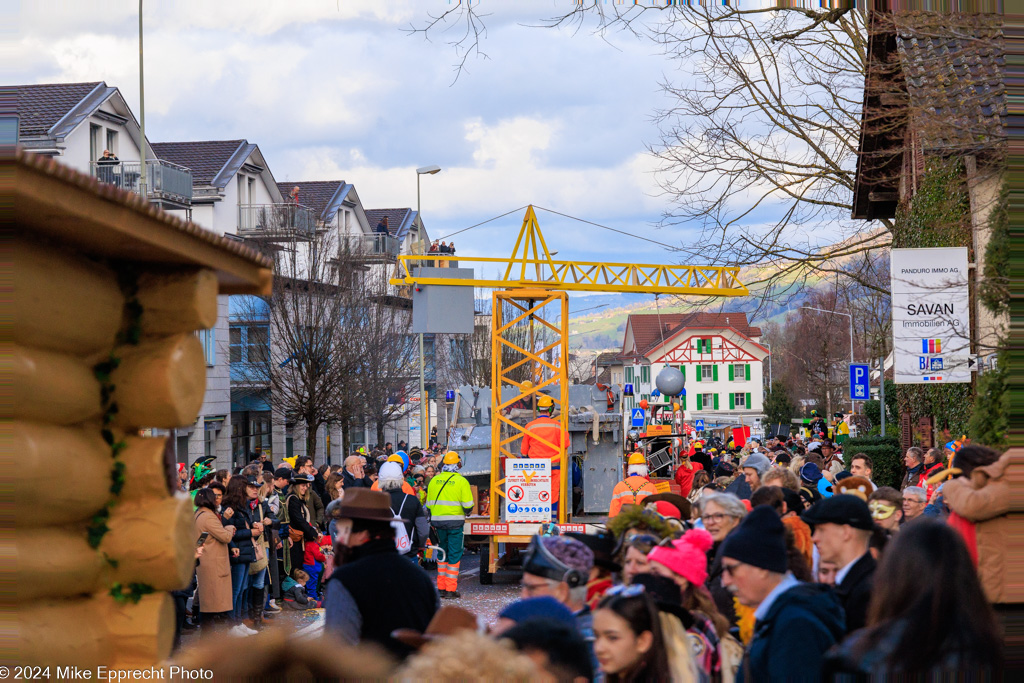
528	490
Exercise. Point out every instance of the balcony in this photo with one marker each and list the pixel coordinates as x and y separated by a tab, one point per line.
376	247
168	185
276	221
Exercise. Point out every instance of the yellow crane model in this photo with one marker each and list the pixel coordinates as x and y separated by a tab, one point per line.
536	287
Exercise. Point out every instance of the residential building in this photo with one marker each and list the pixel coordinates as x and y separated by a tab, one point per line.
719	355
77	122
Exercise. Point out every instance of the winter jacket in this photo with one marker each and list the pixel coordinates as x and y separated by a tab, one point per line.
853	660
912	476
299	517
721	595
854	592
316	509
241	519
417	524
926	474
985	500
313	552
352	482
684	476
790	643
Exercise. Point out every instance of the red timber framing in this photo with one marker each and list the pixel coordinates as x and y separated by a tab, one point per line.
714	348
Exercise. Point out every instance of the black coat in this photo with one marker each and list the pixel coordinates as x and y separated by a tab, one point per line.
352	482
413	514
242	521
854	592
720	594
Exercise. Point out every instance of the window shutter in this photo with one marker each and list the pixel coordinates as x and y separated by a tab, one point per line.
714	372
731	371
749	405
716	401
682	369
700	402
684	401
746	370
732	401
699	371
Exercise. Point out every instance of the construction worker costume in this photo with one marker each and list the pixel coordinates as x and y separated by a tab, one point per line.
634	488
449	500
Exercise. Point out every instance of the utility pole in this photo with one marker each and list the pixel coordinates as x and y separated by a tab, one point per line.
881	389
143	183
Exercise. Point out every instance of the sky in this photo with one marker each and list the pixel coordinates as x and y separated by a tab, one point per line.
338	89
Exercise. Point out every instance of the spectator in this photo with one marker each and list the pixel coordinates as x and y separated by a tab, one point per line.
544	608
928	618
555	647
932	464
914	461
842	533
754	466
602	544
720	513
826	573
243	552
886	504
407	506
861	466
334	488
914	500
628	639
299	520
214	573
635	559
782	477
355	475
315	503
796	623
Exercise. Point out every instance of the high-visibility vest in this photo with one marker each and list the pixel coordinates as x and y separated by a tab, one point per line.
630	491
449	497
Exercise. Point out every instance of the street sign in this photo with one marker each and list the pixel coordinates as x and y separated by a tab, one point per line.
973	363
699	425
659	430
638	417
860	389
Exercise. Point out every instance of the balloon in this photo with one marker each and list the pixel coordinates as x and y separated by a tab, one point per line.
670	381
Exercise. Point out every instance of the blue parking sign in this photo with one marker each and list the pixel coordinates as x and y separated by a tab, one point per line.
859	384
638	417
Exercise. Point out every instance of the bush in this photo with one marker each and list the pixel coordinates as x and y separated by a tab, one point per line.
886	456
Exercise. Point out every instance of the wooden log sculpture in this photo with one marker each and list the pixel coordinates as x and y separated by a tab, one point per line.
47	451
56	562
53	387
152	542
177	301
145	474
160	382
143	632
63	302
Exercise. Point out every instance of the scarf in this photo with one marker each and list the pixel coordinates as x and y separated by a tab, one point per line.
450	468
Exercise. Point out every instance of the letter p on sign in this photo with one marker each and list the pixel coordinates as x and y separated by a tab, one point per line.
859	383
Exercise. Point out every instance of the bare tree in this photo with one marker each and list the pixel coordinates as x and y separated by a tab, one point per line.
298	339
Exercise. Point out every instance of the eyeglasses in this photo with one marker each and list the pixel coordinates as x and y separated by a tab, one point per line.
714	518
627	590
730	569
531	588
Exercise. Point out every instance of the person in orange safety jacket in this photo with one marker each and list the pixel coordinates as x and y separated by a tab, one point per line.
548	428
634	488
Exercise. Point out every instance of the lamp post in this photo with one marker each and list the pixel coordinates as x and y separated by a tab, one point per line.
424	429
769	365
853	406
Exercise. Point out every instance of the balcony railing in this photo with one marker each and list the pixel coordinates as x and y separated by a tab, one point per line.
276	221
164	181
379	245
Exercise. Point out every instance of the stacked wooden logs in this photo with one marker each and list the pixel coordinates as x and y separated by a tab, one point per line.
69	314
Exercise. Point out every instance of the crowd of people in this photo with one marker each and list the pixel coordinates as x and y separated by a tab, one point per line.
789	563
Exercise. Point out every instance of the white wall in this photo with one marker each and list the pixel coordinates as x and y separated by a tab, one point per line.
76	145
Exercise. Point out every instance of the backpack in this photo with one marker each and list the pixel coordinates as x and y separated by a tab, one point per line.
402	540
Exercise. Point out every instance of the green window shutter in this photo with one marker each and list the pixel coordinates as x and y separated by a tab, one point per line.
731	378
699	373
746	369
714	372
684	402
700	346
732	401
682	369
700	402
716	401
749	404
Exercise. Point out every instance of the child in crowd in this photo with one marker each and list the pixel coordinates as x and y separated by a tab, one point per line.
313	563
293	591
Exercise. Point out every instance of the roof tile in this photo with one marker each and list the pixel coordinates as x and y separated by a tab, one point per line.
205	158
41	106
395	219
316	194
650	328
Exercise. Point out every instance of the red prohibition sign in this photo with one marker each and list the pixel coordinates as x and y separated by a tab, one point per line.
515	494
544	495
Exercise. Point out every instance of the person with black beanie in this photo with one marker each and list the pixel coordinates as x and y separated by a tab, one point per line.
795	623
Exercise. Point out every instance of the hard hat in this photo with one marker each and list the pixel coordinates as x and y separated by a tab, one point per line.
396	458
675	406
451	458
637	459
527	385
545	402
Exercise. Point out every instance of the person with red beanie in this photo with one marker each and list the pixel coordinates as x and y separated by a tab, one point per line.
685	562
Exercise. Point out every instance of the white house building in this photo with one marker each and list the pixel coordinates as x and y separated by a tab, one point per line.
719	355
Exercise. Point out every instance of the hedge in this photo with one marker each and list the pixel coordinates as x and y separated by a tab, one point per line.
886	457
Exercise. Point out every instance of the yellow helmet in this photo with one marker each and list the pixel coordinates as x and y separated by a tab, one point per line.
527	385
396	458
545	402
450	458
637	459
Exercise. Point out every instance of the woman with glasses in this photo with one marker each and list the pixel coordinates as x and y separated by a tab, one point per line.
634	559
720	513
628	639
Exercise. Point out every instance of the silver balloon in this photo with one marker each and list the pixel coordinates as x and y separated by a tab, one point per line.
670	381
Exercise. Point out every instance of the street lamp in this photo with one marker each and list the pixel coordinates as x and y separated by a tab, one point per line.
424	430
853	406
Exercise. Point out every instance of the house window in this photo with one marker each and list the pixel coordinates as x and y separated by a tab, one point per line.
629	375
208	340
235	345
739	401
112	141
95	142
249	344
739	372
645	374
707	401
707	373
